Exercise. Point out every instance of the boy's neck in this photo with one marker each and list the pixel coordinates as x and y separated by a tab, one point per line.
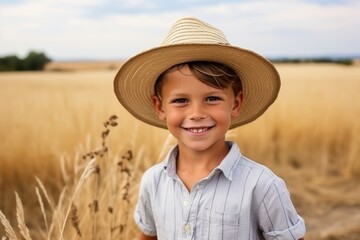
192	166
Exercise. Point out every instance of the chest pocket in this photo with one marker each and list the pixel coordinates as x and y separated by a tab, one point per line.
220	225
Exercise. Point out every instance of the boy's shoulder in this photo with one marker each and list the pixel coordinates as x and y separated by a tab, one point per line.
153	173
155	169
243	164
262	177
256	166
168	164
253	174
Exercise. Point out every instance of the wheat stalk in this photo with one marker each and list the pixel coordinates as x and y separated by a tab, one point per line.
10	233
90	168
75	219
95	203
57	212
102	152
64	172
42	187
20	216
42	208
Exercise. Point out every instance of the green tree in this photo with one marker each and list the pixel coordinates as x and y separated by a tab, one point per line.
11	63
35	61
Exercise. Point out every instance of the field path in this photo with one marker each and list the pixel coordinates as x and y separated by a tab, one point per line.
331	208
341	223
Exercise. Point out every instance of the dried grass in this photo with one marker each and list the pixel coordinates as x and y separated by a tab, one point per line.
20	215
42	207
89	169
10	233
309	136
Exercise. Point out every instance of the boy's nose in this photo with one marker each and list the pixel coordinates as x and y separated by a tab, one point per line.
197	112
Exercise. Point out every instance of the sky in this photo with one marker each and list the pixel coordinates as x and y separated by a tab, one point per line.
118	29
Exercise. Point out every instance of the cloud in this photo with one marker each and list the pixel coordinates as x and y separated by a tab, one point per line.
118	29
292	27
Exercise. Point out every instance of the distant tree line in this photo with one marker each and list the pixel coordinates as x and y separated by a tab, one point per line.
34	61
344	61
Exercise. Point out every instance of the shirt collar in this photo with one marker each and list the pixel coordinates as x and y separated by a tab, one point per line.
170	162
227	165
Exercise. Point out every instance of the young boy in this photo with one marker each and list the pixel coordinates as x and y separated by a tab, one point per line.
198	86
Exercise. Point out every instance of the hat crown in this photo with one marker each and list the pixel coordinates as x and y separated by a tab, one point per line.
194	31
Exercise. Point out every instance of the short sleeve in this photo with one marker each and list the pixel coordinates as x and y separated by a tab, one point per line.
143	214
278	218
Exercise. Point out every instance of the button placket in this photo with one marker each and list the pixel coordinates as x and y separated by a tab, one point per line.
192	209
188	209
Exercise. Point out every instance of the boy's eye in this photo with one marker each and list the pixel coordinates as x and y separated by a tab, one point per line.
212	99
179	100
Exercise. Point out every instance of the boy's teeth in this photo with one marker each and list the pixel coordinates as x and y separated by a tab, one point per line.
197	130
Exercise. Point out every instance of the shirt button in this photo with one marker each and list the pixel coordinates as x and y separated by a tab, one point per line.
187	228
186	203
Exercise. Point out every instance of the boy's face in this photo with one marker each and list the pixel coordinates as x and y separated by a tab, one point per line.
196	114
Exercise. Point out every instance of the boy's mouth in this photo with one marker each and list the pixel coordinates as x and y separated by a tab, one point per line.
198	129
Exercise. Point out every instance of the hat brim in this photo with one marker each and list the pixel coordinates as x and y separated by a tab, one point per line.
134	82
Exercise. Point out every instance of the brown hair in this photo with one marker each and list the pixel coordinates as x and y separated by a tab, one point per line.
214	74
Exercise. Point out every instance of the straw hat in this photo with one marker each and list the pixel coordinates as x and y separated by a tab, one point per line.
191	39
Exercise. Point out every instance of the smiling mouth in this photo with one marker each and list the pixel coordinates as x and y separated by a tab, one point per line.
198	130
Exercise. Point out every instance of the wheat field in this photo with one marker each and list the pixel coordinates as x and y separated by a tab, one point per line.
75	169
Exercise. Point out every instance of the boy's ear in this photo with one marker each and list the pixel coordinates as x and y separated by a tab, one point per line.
157	103
235	111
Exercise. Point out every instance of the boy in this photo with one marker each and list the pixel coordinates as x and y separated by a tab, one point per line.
198	87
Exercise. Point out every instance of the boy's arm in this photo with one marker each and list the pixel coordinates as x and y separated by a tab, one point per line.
276	211
145	237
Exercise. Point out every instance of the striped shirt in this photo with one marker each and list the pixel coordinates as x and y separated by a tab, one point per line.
240	199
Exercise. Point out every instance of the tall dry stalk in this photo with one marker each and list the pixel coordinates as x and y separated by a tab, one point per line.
100	153
42	207
89	169
24	231
20	216
10	233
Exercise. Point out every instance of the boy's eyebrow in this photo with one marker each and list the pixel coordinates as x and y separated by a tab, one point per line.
219	91
181	94
177	95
